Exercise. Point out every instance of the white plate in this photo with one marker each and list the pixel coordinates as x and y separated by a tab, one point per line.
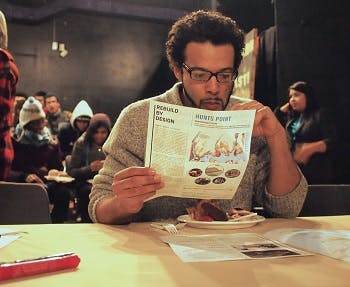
220	224
64	179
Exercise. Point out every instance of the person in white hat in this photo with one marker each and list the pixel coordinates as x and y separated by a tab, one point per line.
68	133
36	156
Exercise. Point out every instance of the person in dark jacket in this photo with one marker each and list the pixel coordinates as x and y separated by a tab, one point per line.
68	133
312	133
36	157
87	159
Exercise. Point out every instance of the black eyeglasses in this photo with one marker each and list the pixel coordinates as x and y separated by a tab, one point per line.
202	75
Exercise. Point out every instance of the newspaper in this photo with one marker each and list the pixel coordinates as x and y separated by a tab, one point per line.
222	247
199	153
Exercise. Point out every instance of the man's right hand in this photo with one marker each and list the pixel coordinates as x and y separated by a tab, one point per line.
133	186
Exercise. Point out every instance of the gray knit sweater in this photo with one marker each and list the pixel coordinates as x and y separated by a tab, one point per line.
126	146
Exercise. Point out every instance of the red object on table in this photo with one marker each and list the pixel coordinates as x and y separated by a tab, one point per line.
9	270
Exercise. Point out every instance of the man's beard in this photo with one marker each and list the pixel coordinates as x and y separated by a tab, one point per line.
206	101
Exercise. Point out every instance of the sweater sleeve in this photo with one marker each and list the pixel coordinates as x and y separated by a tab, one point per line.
288	205
125	147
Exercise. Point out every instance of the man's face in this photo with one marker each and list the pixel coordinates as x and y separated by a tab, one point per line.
210	95
52	104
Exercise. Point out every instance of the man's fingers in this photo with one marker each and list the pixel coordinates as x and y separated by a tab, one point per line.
124	189
134	185
136	181
134	171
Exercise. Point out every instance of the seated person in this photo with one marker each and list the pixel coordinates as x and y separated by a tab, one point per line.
69	132
204	50
87	159
36	157
54	115
312	133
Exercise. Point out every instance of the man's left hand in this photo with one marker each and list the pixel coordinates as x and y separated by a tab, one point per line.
265	123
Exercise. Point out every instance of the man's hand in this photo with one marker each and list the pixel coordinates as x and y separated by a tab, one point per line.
133	186
265	123
284	174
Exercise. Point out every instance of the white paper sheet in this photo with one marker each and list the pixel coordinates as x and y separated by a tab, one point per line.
222	247
199	153
332	243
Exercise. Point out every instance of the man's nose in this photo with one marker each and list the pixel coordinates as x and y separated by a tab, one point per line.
213	85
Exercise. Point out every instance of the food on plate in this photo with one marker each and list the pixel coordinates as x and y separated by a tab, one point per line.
237	213
207	210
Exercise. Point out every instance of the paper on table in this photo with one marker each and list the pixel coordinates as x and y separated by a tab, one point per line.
5	240
222	247
332	243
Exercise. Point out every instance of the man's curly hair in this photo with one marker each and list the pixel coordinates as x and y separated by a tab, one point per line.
202	26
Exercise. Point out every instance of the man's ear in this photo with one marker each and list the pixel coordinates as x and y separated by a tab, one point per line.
177	72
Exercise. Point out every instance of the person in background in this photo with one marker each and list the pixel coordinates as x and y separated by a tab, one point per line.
204	50
36	157
54	115
312	133
20	98
40	96
87	159
8	80
69	132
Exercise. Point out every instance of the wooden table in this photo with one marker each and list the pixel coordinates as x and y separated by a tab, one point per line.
133	255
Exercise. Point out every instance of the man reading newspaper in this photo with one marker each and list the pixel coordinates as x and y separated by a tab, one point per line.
204	50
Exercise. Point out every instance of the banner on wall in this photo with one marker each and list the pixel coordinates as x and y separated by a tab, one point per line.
245	82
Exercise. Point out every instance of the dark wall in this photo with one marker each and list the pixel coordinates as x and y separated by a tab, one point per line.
249	14
109	63
313	45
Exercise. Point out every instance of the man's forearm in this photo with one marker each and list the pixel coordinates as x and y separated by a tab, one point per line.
284	174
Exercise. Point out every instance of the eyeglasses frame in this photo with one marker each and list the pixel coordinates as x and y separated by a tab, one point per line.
191	69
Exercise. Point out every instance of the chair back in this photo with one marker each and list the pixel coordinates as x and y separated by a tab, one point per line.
327	199
23	203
